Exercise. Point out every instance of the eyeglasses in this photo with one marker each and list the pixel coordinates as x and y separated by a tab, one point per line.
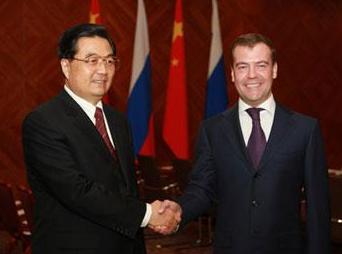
92	61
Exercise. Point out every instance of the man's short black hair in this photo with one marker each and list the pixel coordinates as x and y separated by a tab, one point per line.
67	43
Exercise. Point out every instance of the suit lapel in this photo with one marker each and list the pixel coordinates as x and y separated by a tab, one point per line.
82	121
281	125
232	130
85	125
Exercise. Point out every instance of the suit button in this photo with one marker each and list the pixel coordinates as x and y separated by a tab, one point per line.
255	203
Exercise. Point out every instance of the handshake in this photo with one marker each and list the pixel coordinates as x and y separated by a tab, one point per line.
165	217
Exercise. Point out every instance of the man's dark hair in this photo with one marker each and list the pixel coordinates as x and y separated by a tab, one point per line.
67	43
250	40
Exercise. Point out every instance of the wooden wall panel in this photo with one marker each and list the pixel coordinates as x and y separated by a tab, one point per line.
306	33
12	82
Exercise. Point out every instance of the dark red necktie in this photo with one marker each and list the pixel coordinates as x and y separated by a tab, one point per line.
257	141
101	128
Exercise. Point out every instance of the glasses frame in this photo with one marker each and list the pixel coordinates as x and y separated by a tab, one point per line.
86	60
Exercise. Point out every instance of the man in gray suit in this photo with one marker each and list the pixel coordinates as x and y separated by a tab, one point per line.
254	160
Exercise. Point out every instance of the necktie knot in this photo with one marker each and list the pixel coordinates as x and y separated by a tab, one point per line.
98	114
254	113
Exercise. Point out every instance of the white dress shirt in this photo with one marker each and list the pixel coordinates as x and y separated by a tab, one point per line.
90	109
266	118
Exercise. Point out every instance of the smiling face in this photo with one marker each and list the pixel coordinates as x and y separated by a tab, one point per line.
90	82
253	72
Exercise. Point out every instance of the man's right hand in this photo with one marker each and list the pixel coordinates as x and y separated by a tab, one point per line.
165	217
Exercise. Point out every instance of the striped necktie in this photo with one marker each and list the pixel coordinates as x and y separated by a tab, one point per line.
101	128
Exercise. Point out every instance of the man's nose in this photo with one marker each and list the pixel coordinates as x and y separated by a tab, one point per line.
251	72
102	66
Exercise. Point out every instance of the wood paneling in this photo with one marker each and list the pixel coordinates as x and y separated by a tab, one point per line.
306	33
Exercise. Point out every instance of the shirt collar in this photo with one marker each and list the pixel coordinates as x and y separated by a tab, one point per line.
268	105
85	105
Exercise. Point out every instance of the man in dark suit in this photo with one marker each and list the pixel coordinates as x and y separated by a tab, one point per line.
256	161
78	153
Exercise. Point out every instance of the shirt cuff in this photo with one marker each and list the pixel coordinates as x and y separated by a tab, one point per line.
147	216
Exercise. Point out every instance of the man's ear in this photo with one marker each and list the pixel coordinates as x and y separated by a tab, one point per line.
275	70
232	74
65	65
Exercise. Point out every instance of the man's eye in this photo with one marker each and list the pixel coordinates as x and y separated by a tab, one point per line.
92	60
110	61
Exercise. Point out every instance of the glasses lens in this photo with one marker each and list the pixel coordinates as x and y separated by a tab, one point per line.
110	61
93	60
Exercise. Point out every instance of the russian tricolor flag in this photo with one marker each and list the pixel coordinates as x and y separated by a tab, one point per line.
217	99
139	100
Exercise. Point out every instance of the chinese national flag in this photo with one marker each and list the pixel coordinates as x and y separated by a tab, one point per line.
94	15
175	128
95	18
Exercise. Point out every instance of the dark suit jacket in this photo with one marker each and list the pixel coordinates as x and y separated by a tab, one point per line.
83	204
258	211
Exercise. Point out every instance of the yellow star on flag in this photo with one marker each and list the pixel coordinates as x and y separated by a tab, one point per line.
177	30
174	62
93	17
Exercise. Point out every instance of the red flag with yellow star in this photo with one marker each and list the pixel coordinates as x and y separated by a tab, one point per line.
95	18
94	15
175	128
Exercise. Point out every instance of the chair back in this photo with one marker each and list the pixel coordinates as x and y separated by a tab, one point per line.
154	185
149	171
9	219
27	202
182	170
335	185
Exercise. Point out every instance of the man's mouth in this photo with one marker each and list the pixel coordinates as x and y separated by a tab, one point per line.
253	84
100	81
